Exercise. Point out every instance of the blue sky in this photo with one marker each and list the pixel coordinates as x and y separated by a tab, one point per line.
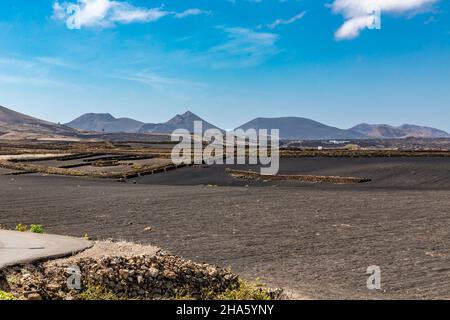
228	61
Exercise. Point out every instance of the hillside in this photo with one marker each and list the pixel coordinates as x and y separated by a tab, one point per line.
385	131
105	122
184	121
301	129
15	125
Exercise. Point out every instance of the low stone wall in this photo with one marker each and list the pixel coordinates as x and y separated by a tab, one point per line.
250	175
71	171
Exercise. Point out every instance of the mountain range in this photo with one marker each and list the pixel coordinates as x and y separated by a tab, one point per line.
105	122
291	128
17	125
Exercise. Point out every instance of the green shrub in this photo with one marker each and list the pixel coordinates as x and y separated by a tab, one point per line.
242	290
37	228
6	296
245	291
21	228
96	292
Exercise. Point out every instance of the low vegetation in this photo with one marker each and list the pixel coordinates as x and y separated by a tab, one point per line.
244	290
21	228
94	292
34	228
37	228
106	275
6	296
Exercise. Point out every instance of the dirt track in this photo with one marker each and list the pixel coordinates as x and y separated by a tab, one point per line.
315	240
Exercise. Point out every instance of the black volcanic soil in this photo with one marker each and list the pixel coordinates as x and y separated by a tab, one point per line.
397	173
315	240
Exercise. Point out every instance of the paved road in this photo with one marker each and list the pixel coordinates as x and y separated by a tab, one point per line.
21	247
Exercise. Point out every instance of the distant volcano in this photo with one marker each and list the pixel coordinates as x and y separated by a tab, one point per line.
301	129
384	131
184	121
14	125
105	122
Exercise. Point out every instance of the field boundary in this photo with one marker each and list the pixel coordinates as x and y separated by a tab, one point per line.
25	168
251	175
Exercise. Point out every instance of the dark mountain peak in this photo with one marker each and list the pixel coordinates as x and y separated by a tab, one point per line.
187	116
181	121
98	116
300	128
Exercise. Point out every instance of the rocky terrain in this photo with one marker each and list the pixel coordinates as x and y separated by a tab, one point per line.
116	271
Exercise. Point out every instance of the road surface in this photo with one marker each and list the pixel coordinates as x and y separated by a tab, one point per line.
24	247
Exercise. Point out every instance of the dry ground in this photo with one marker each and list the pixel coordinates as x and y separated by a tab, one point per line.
314	240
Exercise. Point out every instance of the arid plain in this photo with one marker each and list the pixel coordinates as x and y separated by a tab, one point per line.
315	240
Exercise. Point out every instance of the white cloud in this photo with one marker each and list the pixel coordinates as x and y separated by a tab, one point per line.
191	12
351	28
103	13
278	22
359	12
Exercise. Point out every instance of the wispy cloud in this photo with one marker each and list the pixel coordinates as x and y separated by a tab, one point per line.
30	80
52	61
16	63
192	12
244	47
158	81
32	71
108	13
358	13
279	22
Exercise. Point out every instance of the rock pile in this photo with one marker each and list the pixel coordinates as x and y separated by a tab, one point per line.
160	276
